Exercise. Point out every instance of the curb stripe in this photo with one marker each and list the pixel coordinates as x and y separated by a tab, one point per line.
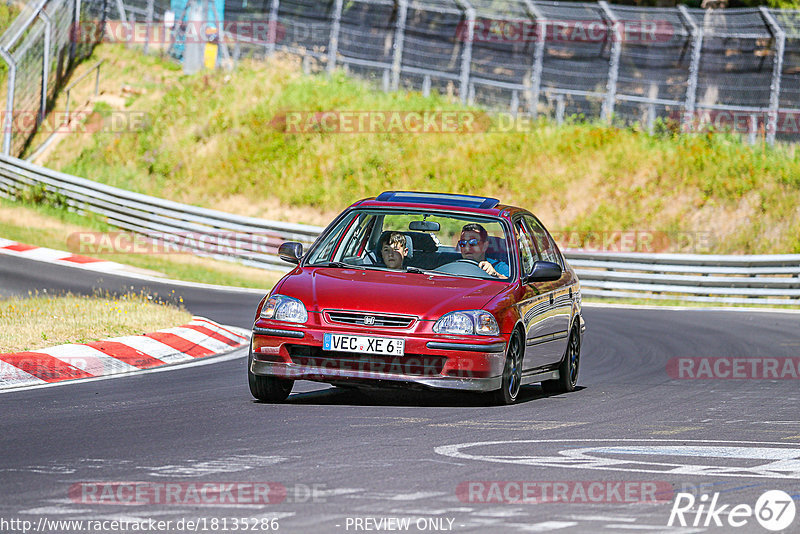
88	359
127	354
156	349
117	356
197	338
180	344
20	247
76	258
218	327
44	366
214	335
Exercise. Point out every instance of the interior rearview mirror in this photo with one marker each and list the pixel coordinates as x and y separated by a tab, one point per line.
424	226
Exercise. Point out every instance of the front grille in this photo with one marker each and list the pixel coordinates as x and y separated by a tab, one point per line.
408	364
369	319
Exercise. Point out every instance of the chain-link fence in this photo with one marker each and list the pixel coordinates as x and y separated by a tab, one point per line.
40	48
670	68
689	69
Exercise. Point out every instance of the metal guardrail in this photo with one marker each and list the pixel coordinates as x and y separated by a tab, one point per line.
177	226
764	279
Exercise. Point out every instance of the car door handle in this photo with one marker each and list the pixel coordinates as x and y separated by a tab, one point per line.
551	299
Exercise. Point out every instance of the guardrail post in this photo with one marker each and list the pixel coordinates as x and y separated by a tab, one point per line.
399	42
777	69
8	120
48	36
538	56
149	24
466	52
613	66
694	69
272	30
752	129
651	118
333	43
560	108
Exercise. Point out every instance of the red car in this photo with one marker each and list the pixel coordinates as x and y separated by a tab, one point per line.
424	290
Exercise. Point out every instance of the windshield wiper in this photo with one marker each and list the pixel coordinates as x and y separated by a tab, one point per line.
338	264
417	270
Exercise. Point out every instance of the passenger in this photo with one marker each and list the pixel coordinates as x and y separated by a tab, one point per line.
393	249
473	244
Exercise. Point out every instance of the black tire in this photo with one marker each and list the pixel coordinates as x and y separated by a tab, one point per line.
267	388
568	370
512	373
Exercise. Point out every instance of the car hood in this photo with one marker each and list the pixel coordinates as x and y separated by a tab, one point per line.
426	296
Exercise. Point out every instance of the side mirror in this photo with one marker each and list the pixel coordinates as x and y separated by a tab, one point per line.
544	271
291	251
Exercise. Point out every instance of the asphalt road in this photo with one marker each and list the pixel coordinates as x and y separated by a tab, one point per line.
346	461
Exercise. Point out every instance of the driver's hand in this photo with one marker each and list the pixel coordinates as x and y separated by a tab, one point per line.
486	266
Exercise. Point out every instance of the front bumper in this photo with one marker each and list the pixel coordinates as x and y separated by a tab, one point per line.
430	361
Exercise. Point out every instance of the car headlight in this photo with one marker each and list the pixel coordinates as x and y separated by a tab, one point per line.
283	308
467	322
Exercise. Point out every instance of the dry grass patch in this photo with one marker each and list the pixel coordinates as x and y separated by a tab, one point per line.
42	320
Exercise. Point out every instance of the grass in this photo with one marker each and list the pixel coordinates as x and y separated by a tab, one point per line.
42	320
51	227
8	12
218	139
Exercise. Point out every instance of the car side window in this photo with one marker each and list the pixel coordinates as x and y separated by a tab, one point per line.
527	251
544	243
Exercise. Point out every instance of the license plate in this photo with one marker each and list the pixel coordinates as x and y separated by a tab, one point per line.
365	344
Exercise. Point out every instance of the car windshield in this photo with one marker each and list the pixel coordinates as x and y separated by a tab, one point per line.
431	242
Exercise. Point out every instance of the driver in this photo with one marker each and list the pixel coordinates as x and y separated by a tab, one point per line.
473	244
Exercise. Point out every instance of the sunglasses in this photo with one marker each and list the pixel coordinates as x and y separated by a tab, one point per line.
471	242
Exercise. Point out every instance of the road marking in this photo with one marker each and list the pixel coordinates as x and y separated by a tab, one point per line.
785	462
507	425
547	526
232	464
677	430
601	518
660	528
416	496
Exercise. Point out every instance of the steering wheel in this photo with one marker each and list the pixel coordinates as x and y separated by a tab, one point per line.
462	266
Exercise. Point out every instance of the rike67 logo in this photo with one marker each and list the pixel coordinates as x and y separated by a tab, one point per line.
774	510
